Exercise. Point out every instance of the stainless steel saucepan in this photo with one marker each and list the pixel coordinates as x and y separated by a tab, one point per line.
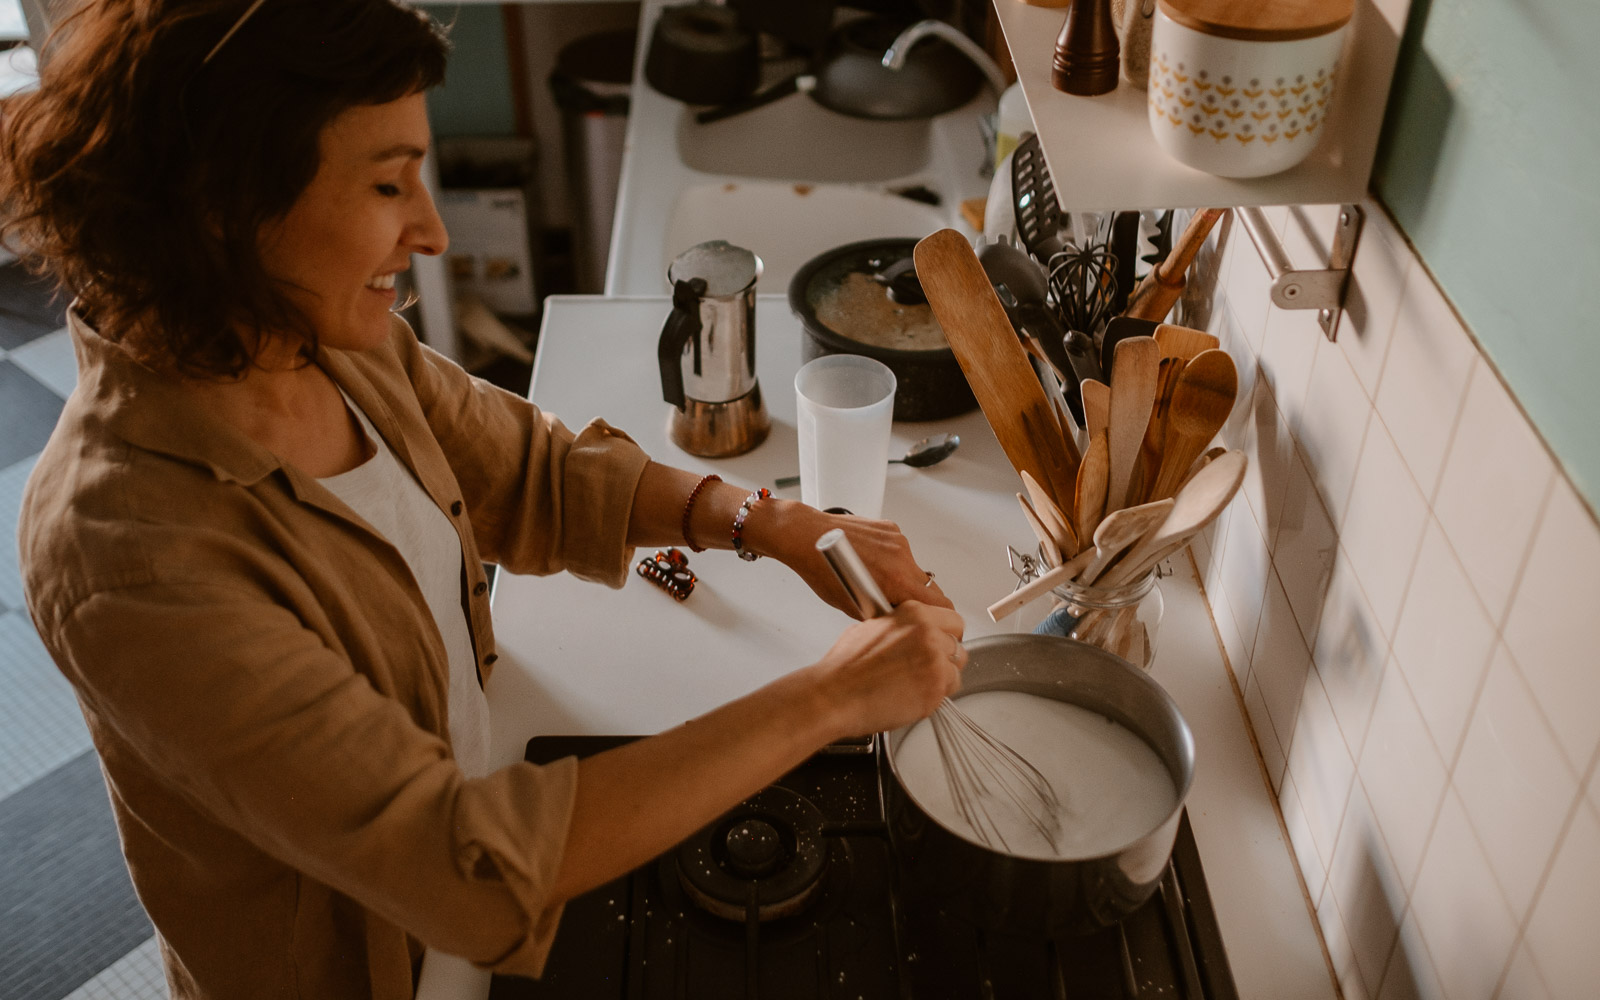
1003	892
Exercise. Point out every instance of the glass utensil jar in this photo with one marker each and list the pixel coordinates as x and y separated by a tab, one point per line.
1123	620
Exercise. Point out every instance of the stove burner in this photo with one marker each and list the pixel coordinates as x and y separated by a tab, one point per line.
766	856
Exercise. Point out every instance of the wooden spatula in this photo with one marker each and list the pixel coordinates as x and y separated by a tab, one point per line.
996	366
1133	393
1201	402
1051	516
1183	342
1049	548
1089	504
1096	405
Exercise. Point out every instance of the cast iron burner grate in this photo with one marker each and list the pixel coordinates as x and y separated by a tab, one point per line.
836	932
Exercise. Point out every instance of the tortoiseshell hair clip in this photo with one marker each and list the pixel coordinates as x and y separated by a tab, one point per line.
669	570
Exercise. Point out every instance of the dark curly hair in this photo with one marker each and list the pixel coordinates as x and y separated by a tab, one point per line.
140	175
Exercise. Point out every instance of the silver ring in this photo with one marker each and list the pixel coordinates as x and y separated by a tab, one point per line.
930	578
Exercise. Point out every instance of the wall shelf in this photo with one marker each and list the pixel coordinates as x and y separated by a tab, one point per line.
1102	155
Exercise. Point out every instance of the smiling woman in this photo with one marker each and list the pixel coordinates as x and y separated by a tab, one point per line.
255	543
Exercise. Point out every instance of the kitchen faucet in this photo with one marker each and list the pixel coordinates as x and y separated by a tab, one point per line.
895	57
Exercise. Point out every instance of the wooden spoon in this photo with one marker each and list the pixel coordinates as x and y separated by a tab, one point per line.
1048	547
986	346
1040	585
1201	403
1160	289
1183	342
1054	519
1133	393
1211	454
1155	435
1089	503
1212	488
1096	405
1120	529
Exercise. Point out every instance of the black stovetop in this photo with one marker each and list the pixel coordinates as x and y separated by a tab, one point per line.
649	935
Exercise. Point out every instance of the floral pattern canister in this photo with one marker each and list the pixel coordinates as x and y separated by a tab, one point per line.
1242	89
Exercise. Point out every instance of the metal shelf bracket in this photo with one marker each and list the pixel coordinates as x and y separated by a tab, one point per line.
1323	290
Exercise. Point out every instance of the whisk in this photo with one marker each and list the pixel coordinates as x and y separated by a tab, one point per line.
1084	280
983	774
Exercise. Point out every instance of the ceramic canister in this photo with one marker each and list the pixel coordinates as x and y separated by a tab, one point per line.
1243	89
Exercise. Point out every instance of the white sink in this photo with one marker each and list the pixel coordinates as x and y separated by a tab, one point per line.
789	224
798	139
789	180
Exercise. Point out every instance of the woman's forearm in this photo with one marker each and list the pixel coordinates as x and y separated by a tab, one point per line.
638	800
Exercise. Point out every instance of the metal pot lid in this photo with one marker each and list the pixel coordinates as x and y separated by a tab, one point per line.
868	293
725	268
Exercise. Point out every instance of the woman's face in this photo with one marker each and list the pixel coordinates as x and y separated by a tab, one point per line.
355	227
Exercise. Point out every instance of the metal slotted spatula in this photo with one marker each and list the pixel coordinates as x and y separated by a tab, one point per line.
985	776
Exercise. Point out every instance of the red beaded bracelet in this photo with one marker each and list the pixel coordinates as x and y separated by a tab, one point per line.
688	507
738	524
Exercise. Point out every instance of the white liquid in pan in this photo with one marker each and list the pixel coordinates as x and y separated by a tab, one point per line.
1112	787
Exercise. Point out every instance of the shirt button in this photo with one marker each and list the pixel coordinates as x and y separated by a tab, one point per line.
455	508
488	660
478	590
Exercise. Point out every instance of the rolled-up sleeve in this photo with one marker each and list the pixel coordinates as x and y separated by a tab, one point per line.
261	726
541	499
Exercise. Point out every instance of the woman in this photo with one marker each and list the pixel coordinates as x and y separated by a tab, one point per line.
255	541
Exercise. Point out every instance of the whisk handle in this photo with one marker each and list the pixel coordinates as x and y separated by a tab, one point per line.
853	573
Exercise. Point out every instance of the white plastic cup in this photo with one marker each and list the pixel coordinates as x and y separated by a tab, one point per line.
845	406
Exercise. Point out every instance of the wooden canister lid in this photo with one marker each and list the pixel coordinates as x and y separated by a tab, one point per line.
1260	20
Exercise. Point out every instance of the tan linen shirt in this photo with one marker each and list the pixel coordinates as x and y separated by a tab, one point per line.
266	687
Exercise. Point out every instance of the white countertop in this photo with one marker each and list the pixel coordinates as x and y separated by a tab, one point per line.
576	658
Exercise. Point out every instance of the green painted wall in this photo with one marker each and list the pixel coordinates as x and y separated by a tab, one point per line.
476	96
1489	162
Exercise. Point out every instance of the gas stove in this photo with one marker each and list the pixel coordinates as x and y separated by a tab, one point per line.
791	895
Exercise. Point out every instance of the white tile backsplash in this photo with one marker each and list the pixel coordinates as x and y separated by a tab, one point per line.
1281	660
1443	642
1304	548
1424	377
1332	447
1462	916
1523	981
1350	652
1515	785
1287	350
1383	527
1377	280
1402	776
1407	589
1322	767
1551	627
1371	898
1560	937
1489	515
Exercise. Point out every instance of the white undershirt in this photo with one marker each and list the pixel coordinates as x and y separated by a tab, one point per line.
388	497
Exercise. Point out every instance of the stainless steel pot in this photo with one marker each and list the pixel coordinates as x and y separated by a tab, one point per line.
1001	892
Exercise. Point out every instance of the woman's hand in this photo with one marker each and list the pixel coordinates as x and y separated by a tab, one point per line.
891	671
790	531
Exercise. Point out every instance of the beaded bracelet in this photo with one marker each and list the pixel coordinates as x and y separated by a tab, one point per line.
688	507
738	524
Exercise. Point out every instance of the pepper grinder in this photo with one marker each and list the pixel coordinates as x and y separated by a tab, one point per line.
1087	57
